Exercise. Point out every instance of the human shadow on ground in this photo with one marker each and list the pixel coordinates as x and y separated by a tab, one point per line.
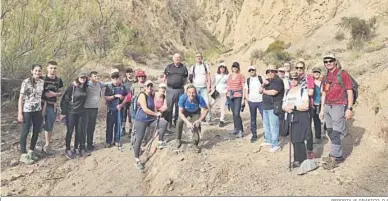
352	138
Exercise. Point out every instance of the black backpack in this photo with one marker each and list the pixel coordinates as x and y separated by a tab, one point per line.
354	85
249	80
192	76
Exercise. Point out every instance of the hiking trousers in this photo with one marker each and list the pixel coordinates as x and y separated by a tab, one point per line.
76	120
317	122
236	110
253	107
179	129
300	153
336	127
90	123
30	118
172	97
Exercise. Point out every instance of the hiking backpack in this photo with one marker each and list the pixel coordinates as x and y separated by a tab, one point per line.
249	80
192	76
354	85
134	107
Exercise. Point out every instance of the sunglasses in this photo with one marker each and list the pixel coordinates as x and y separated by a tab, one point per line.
299	67
281	71
252	70
53	68
328	61
316	72
274	71
294	78
150	85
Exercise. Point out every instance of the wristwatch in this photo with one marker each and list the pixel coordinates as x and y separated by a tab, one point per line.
350	108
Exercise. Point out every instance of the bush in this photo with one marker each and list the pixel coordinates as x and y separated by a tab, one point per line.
256	55
277	58
276	46
360	30
339	36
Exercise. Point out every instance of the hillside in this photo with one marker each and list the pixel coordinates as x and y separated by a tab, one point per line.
226	30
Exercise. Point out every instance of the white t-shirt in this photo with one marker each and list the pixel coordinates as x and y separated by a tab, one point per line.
199	79
296	99
220	81
254	88
286	82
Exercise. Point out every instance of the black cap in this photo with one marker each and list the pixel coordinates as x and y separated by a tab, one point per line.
236	64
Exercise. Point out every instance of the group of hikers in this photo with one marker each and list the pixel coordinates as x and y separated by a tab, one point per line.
288	102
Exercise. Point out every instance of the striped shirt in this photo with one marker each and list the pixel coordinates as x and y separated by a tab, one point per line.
236	85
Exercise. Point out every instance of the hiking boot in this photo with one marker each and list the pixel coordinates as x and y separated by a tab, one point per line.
317	141
221	124
32	155
78	152
139	165
47	150
240	134
196	149
162	144
274	149
253	139
178	143
69	154
234	132
295	164
26	159
330	164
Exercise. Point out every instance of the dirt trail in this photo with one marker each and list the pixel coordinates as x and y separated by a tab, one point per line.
226	166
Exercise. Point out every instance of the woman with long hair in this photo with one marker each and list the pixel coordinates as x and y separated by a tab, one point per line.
220	87
235	94
30	113
72	105
296	106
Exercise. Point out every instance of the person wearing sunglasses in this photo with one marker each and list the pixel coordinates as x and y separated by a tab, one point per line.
72	108
147	116
254	98
273	91
337	102
296	106
306	81
30	113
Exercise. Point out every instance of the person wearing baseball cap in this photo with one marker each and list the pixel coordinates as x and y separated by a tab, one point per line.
254	98
72	108
273	92
317	104
235	86
337	107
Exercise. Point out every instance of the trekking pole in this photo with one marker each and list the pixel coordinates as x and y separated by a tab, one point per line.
119	129
290	132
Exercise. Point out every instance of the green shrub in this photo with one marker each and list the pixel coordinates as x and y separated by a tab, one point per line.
277	58
256	55
360	30
276	46
339	36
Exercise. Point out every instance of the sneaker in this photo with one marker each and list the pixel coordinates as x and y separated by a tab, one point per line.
86	152
221	124
253	139
26	159
240	134
108	145
138	165
274	149
178	143
69	154
162	144
91	148
32	155
196	149
47	150
265	144
78	152
317	141
234	132
295	164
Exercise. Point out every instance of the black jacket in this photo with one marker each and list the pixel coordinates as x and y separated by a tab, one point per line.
73	100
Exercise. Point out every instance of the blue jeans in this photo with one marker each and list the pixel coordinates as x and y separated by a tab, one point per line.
202	91
253	107
50	117
271	127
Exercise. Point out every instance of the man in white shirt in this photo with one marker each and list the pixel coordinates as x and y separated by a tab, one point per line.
199	76
254	98
282	74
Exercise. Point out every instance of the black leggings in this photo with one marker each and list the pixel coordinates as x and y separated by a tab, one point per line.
236	109
299	151
30	118
75	120
317	122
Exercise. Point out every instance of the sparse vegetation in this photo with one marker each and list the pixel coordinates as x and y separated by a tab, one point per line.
256	55
276	46
277	58
360	30
339	36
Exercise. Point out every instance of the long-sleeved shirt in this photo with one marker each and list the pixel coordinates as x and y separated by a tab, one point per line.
236	85
73	100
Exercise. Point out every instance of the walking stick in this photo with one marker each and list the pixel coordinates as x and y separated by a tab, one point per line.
290	133
119	129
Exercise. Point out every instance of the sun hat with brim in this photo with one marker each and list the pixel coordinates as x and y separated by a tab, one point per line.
329	56
281	69
251	68
316	69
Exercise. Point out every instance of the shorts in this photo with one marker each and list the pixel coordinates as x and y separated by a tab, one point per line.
49	118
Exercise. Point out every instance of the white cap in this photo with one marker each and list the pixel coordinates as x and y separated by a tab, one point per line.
148	82
222	64
251	68
162	85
